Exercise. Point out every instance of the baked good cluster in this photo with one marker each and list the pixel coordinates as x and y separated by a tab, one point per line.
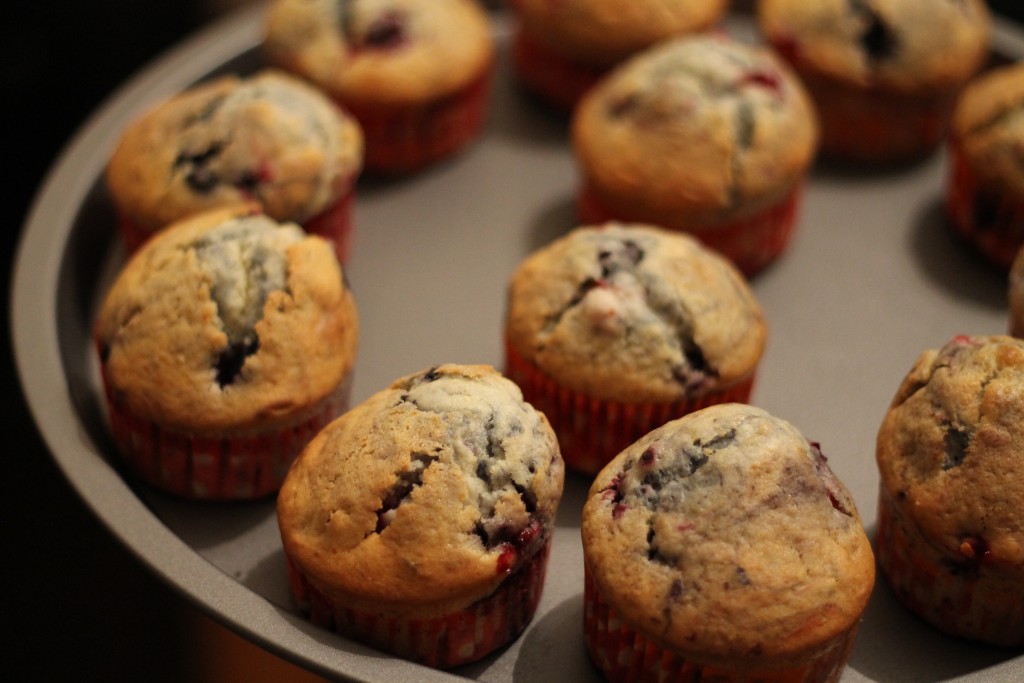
718	544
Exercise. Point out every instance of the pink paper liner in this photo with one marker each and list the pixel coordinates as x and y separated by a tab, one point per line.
592	431
955	600
751	242
334	224
406	139
558	81
444	641
624	655
998	232
243	466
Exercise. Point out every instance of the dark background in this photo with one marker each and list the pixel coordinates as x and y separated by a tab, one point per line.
80	606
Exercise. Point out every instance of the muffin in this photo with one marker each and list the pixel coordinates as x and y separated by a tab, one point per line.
615	329
884	74
1015	295
721	547
985	188
415	73
225	343
268	137
950	539
559	50
703	134
420	522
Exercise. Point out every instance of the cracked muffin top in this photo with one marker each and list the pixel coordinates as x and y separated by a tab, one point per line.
696	129
634	313
988	128
724	535
426	496
949	449
909	46
225	320
269	138
603	32
387	52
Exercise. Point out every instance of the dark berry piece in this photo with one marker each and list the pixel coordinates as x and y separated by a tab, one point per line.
837	496
229	363
955	446
763	78
624	255
878	39
200	177
404	484
386	31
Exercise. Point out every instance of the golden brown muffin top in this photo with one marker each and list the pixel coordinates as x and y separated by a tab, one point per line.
604	32
724	535
381	52
695	130
949	449
906	46
634	313
227	320
426	496
988	128
269	138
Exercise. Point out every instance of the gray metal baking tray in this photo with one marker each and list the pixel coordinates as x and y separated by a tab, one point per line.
872	277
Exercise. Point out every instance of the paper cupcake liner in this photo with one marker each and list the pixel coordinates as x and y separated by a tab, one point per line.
624	655
959	599
555	79
444	641
878	127
592	431
244	466
751	242
334	223
405	139
991	221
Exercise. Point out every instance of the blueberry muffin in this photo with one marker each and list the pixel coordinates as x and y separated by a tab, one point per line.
884	74
560	49
614	329
420	521
721	547
985	186
225	343
415	73
268	137
702	134
950	538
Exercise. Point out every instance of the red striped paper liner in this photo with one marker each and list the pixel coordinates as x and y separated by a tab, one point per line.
556	80
751	242
403	139
442	641
244	466
997	233
871	126
592	431
624	655
333	223
955	599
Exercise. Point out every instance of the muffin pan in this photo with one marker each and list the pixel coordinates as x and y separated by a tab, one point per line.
872	276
